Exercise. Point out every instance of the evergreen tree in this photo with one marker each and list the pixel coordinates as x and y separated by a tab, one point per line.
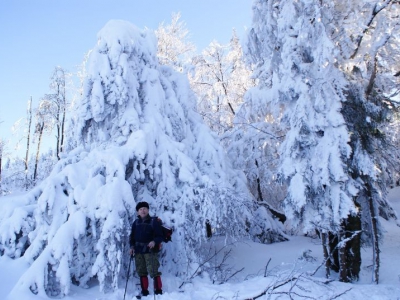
310	89
392	132
368	59
303	74
137	138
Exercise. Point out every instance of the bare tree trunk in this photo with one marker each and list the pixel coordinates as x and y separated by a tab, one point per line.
375	236
353	246
29	134
372	78
281	217
28	142
40	132
208	229
342	257
326	255
60	102
62	129
58	129
333	251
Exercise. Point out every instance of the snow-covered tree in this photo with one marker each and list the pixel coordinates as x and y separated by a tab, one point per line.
43	121
302	51
369	50
81	75
220	78
14	178
28	137
392	132
254	135
174	47
138	137
58	104
24	125
296	65
253	145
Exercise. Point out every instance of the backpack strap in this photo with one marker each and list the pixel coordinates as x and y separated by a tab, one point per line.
155	218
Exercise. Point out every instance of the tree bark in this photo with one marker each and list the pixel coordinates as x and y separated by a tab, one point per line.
40	131
62	130
375	235
345	249
28	142
59	100
353	246
342	257
372	78
281	217
334	251
208	229
326	255
29	134
58	129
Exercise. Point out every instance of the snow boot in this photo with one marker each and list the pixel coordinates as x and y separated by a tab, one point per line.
157	285
144	284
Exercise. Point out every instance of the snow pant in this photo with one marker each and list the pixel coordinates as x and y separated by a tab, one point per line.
147	264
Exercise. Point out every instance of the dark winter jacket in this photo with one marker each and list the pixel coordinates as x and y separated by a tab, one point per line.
143	232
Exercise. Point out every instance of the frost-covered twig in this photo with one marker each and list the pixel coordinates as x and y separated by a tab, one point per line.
218	267
266	267
295	285
341	294
295	281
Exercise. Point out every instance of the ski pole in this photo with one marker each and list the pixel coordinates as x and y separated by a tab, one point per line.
127	275
154	275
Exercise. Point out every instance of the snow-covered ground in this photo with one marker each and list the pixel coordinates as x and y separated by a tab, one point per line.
251	282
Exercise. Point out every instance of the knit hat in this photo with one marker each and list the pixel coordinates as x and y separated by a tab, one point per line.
142	204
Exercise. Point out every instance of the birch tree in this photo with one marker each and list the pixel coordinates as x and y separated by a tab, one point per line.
24	125
42	124
59	104
28	137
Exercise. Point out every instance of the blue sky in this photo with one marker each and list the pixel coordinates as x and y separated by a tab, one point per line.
38	35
